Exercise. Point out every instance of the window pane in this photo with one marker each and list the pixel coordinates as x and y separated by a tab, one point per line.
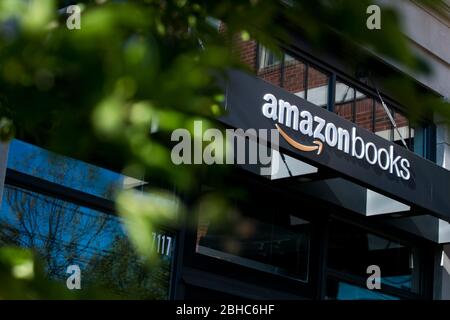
352	250
280	246
269	66
317	92
339	290
344	101
294	74
403	129
63	234
364	111
383	125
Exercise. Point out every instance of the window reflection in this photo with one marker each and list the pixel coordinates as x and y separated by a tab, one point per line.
38	162
304	80
269	66
317	90
344	101
368	113
404	131
294	76
364	117
352	250
64	233
278	245
383	125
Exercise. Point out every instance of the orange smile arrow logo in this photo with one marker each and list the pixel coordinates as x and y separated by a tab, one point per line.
299	146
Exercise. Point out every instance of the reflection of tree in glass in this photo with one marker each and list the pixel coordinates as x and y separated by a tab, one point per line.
64	233
59	169
121	272
61	233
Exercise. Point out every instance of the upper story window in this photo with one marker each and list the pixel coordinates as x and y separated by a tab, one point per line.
368	112
296	76
267	59
326	89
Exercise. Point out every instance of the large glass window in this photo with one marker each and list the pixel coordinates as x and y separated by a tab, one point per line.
296	76
317	89
275	242
368	112
352	250
63	233
304	79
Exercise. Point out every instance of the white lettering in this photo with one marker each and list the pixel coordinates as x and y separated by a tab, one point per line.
384	166
269	110
306	125
343	140
355	139
351	143
374	153
291	114
318	131
404	163
331	134
393	162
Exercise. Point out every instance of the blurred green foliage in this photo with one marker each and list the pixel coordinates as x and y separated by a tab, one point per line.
94	93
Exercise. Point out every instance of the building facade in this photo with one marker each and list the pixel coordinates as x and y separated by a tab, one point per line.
314	229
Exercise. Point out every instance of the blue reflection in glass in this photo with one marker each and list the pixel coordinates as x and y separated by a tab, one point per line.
64	233
351	292
38	162
402	281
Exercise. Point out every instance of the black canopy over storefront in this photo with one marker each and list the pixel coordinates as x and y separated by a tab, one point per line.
334	144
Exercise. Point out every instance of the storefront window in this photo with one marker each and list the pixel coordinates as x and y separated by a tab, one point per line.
352	250
278	245
63	233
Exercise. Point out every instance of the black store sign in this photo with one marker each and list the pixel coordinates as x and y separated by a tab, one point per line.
323	139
